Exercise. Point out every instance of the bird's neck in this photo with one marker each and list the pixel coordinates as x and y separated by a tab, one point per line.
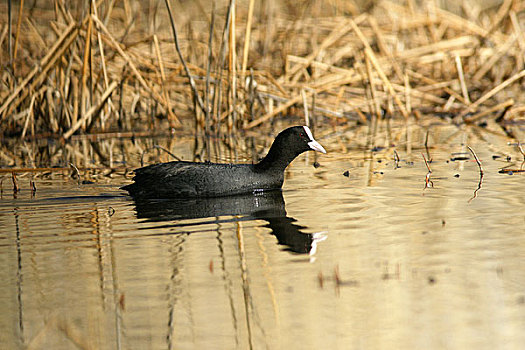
276	160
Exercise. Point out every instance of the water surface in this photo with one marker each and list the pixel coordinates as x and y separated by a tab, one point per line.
375	259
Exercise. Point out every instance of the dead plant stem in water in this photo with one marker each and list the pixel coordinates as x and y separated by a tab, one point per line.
480	174
428	182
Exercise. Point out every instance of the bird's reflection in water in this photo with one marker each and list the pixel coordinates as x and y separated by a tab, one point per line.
267	206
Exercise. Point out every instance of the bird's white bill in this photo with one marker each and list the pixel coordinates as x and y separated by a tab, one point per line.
316	146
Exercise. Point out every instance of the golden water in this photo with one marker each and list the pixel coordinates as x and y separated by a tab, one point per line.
393	265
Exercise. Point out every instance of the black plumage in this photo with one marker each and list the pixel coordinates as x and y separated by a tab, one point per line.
190	179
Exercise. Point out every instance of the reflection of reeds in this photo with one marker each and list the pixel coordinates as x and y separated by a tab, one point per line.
67	65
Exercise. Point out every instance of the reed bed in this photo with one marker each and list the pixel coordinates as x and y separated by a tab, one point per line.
217	68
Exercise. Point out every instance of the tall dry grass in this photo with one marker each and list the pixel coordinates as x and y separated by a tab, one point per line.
85	67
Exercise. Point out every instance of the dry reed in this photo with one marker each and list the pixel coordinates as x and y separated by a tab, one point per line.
105	66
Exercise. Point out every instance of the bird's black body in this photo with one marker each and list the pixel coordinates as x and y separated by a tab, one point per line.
190	179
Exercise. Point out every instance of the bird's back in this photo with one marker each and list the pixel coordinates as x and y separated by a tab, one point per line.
189	179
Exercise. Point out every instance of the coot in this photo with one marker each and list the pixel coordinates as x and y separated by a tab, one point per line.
190	179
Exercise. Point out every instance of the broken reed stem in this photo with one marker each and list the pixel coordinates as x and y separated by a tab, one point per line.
426	145
16	188
396	160
32	186
476	159
480	174
426	163
77	172
521	150
428	182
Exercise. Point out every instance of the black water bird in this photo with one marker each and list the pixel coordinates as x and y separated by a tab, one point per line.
192	180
